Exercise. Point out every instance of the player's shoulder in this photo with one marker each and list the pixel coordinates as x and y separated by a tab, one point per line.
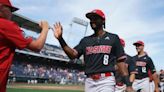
84	39
134	57
113	37
148	57
7	23
128	56
111	34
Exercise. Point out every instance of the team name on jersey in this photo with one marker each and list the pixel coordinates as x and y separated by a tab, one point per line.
140	63
98	49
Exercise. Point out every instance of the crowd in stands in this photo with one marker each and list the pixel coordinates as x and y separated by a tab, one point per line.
50	74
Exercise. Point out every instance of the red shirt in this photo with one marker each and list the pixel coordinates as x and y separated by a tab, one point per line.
11	37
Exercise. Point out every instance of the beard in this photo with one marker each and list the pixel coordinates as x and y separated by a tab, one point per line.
96	26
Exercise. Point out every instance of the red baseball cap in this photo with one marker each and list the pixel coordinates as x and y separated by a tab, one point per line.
122	42
139	42
8	4
94	13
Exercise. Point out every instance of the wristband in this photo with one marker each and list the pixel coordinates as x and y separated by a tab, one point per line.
62	42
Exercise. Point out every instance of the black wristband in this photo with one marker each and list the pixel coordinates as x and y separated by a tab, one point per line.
127	81
159	85
62	42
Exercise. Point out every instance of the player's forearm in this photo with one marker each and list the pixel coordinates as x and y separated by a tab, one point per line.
156	80
124	71
37	45
132	77
69	51
122	68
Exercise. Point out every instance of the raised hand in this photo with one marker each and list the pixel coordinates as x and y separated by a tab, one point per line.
58	30
44	25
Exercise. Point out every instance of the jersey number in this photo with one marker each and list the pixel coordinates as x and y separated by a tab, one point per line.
106	60
144	69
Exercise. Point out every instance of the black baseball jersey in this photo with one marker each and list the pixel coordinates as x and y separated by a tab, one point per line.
130	64
100	52
143	64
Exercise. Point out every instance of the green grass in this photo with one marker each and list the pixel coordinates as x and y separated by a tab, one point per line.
34	90
40	84
21	87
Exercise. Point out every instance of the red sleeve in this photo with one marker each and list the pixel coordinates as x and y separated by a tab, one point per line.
14	34
118	49
150	75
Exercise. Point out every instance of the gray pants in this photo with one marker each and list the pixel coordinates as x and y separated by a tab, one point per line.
162	86
105	84
142	84
152	86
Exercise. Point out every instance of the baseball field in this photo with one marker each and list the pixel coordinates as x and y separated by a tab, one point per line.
44	88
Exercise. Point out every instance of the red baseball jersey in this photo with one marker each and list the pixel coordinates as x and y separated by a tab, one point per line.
11	37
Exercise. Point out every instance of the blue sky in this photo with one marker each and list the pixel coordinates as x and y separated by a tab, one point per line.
132	20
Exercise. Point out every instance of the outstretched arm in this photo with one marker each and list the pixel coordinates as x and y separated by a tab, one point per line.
72	53
37	45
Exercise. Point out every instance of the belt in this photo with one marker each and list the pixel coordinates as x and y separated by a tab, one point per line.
100	75
119	84
141	78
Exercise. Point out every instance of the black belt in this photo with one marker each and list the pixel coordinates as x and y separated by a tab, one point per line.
139	78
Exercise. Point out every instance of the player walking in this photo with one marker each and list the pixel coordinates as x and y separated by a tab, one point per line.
98	49
120	86
144	63
11	37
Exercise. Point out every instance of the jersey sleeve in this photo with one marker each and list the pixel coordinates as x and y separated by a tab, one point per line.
118	50
151	66
80	48
14	35
131	65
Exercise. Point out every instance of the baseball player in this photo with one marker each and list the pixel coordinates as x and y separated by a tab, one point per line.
144	63
120	86
98	49
11	37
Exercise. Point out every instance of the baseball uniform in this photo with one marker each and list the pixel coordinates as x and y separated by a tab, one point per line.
99	56
143	64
